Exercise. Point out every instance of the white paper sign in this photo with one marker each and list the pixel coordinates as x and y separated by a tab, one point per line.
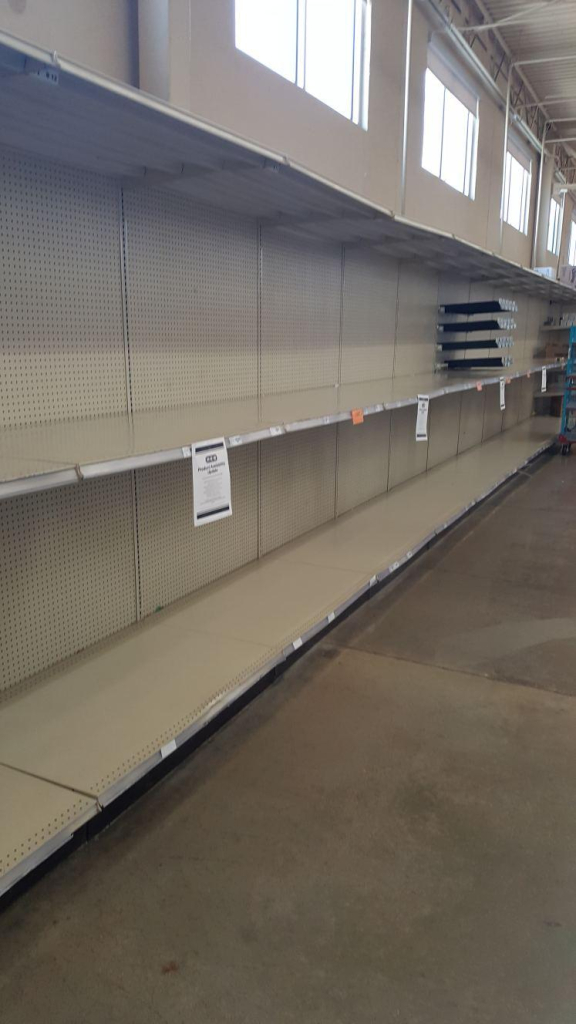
502	392
211	481
422	418
544	381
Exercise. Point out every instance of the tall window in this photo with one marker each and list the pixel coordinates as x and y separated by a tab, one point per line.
450	127
517	189
323	46
572	244
554	227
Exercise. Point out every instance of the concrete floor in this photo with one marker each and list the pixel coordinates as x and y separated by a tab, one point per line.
386	835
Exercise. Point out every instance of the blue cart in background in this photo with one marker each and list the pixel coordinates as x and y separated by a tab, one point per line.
568	426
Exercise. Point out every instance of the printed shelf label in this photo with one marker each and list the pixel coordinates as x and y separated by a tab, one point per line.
211	481
422	418
502	393
544	379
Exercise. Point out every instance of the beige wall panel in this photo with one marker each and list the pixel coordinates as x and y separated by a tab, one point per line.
61	336
452	288
492	412
407	455
512	410
67	573
363	453
443	427
368	316
538	310
220	83
301	289
191	278
176	557
297	485
471	419
98	33
416	333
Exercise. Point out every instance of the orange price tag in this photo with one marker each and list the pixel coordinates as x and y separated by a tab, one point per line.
357	416
478	387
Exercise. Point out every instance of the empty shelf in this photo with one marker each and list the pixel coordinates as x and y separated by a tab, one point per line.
37	818
100	720
56	454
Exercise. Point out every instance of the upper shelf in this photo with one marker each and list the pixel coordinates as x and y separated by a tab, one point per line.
49	455
57	109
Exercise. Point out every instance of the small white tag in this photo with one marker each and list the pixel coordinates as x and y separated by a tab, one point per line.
422	418
544	382
396	565
331	616
373	581
297	643
234	441
502	392
326	420
187	451
168	748
275	431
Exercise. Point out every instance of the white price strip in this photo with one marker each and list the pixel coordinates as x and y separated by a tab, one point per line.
422	418
187	451
544	380
297	643
502	392
331	616
168	748
233	442
276	431
211	481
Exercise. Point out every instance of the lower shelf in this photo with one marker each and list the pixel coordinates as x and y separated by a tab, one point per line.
88	729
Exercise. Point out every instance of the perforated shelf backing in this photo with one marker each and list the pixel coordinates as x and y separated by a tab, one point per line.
300	297
175	557
363	453
192	291
61	334
369	303
415	350
67	574
297	485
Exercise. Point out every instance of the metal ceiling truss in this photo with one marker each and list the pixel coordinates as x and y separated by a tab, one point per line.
472	19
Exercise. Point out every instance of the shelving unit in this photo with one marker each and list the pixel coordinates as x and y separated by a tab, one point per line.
37	458
207	650
167	283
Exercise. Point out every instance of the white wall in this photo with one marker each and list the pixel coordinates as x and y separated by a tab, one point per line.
98	33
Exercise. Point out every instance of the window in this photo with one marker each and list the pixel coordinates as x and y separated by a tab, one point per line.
572	244
323	46
554	227
450	127
517	188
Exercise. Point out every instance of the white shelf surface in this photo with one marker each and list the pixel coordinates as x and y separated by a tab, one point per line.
90	121
56	454
102	719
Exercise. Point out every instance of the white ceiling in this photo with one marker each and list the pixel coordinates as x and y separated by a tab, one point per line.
543	29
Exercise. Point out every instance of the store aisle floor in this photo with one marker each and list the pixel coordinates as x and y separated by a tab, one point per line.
385	835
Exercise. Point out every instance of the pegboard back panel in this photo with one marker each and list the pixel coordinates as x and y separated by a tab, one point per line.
471	419
368	316
538	310
362	460
301	289
67	575
61	329
453	288
443	427
493	416
526	400
297	485
407	455
416	333
192	291
513	397
177	558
